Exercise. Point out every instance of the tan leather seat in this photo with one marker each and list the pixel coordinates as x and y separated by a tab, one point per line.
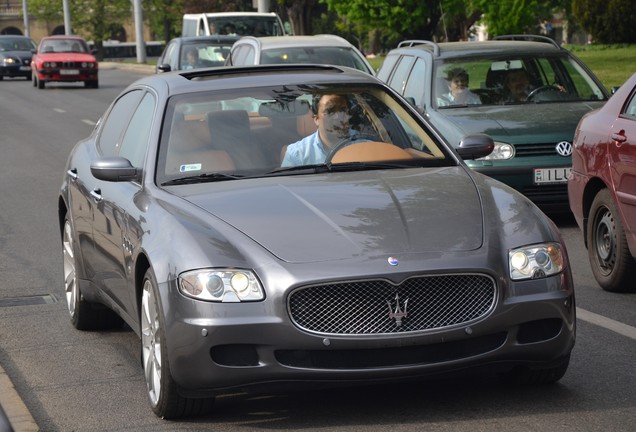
230	131
190	150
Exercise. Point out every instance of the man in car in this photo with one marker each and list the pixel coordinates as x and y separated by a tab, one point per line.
332	117
517	85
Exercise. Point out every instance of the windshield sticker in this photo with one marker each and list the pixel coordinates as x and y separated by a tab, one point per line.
190	167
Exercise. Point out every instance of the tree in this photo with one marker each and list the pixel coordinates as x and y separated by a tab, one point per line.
509	16
401	19
608	21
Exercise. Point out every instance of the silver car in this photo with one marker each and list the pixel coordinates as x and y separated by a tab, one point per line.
318	49
184	215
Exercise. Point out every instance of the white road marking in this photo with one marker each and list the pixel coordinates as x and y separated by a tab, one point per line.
60	110
607	323
89	122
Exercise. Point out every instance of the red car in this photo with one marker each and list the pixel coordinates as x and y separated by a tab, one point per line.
602	188
64	59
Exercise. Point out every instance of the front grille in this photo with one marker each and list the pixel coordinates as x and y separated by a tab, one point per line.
556	192
365	307
529	150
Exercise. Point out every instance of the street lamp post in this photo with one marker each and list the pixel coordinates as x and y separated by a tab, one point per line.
67	17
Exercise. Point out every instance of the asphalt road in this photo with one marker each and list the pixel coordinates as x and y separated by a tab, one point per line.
67	380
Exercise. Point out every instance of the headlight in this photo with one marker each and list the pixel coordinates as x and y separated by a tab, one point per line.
221	285
501	151
9	60
537	261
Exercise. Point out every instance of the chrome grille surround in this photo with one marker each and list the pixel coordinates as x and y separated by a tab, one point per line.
362	307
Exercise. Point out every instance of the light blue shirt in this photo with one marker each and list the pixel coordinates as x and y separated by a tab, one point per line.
308	151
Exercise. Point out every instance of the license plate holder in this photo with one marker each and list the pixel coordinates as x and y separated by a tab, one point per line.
546	176
69	72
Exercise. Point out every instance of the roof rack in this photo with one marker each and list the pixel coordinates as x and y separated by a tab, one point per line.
528	37
410	43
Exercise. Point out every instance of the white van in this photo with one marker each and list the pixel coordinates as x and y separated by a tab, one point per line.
233	23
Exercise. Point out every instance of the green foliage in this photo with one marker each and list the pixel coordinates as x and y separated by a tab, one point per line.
408	19
608	21
510	16
604	61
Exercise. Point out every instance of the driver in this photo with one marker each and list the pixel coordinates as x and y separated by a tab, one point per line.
517	85
332	117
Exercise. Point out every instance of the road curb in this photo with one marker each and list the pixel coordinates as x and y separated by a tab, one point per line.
14	415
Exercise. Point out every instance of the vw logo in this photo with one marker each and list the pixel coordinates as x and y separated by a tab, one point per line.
564	148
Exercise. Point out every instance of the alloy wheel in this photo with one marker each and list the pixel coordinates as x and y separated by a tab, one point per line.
151	342
71	288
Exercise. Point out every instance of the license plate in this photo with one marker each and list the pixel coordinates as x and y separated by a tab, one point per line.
551	175
25	68
69	72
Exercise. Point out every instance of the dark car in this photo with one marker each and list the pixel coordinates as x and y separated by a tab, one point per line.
602	188
64	59
185	53
319	49
15	56
532	125
187	214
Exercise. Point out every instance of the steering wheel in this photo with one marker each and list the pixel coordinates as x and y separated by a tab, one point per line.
347	141
542	89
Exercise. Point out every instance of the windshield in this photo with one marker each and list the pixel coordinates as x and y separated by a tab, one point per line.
283	130
17	44
63	46
323	55
245	26
512	80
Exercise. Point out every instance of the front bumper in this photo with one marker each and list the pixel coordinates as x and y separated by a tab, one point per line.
52	75
14	71
213	348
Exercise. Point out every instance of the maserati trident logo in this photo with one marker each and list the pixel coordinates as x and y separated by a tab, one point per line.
564	148
397	313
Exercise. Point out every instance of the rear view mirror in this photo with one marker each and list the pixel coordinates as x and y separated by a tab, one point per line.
506	65
279	108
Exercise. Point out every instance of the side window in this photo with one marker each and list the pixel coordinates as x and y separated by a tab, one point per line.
170	57
135	141
387	67
398	80
120	113
630	108
414	90
244	55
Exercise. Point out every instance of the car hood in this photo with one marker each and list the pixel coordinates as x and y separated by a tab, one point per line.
347	215
515	124
62	57
23	55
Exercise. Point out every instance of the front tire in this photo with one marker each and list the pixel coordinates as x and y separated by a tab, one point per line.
165	400
40	84
612	264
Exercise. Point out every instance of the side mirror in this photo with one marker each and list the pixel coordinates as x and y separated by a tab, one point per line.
475	146
164	67
114	169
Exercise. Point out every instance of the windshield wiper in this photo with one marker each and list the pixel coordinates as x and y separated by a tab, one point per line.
202	178
315	168
340	166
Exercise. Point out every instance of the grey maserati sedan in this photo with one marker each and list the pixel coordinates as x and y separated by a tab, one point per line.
303	224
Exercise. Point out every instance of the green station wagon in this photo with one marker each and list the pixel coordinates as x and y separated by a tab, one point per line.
526	92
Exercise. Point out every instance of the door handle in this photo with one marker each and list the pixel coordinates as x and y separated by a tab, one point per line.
96	194
619	136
